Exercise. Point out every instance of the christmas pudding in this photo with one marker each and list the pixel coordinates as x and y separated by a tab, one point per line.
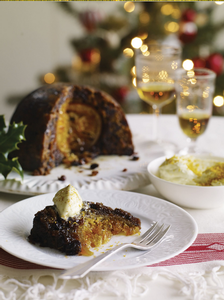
69	124
73	226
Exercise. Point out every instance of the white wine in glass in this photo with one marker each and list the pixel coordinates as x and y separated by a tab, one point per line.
157	93
194	104
156	71
194	123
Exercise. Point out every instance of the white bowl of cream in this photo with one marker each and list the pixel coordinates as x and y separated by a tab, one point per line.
194	181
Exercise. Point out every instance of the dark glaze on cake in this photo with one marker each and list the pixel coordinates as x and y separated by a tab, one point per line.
70	124
92	227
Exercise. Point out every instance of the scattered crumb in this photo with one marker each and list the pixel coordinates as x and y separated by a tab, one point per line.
94	166
124	255
94	173
62	178
124	170
134	158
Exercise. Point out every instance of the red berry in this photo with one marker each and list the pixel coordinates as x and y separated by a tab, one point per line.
188	32
189	15
199	62
120	93
215	63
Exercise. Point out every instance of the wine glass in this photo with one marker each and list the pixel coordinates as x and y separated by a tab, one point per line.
195	90
156	67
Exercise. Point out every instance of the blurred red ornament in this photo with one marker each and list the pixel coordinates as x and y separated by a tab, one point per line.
120	93
90	19
189	15
215	63
86	55
187	32
199	62
90	55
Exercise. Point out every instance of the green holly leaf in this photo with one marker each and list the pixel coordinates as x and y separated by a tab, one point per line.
2	124
6	166
9	139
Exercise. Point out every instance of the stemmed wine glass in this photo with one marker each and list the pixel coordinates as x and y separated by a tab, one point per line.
156	67
195	90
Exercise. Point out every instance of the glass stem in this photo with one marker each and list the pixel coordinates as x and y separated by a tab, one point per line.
191	145
155	125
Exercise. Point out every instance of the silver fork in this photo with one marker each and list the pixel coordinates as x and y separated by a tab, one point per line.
145	242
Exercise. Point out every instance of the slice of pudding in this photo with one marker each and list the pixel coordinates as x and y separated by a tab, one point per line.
73	226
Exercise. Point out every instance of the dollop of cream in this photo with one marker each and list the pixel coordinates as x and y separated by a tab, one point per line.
190	170
68	202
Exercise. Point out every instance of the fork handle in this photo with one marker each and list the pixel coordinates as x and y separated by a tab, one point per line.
82	269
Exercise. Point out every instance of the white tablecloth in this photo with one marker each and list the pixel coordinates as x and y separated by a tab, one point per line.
197	281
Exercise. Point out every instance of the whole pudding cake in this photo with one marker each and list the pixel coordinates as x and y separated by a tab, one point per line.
73	226
69	124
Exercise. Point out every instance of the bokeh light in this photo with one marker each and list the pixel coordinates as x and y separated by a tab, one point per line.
129	7
136	43
218	101
128	52
49	78
167	9
172	26
188	64
144	17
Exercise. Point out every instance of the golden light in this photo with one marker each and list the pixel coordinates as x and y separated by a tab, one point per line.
128	52
172	26
193	80
205	94
129	7
218	101
170	80
136	42
163	74
145	77
143	36
144	48
95	57
191	107
134	82
49	78
167	9
190	73
174	65
219	2
176	14
144	17
185	94
146	53
133	71
188	64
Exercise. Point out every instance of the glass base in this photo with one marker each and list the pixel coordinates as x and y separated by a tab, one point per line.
191	148
187	150
161	148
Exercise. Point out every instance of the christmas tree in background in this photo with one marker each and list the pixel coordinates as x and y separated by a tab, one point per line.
104	55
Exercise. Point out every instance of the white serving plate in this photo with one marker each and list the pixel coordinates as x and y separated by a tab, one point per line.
16	223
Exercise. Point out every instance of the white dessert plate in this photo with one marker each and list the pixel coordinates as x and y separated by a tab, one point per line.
114	172
16	222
